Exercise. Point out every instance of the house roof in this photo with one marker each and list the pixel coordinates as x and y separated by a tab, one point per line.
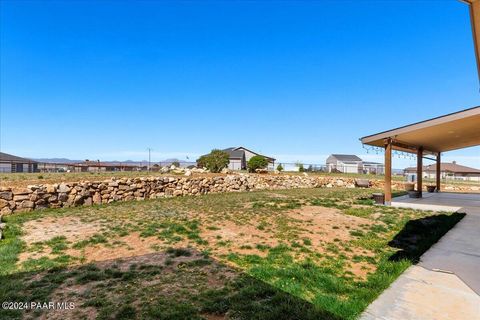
238	152
446	167
372	163
234	154
346	157
258	154
11	158
104	164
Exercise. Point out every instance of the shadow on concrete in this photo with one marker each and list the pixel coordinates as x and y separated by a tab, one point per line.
419	235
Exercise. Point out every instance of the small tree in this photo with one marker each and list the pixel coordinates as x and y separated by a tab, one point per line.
256	162
280	167
300	167
202	162
176	164
215	161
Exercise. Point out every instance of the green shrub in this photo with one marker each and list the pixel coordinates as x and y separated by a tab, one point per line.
215	161
279	167
257	162
301	168
176	164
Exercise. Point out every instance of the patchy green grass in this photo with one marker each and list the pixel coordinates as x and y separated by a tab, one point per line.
257	255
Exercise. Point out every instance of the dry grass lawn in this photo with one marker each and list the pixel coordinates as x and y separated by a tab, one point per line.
303	254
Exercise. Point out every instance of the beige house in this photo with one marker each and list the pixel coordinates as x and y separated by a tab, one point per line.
448	170
239	157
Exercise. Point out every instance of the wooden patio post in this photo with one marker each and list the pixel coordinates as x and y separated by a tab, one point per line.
419	169
438	175
388	172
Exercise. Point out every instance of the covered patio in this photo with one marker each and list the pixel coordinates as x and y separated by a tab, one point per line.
444	284
427	140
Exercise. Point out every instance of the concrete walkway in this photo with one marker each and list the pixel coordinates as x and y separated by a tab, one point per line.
446	282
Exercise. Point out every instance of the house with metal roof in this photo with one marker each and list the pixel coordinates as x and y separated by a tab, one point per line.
10	164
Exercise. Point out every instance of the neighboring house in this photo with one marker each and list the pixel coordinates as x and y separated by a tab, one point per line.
87	166
373	167
239	157
349	163
448	170
54	167
10	164
344	163
97	166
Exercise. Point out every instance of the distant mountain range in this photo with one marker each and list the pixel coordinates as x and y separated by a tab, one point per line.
130	162
57	160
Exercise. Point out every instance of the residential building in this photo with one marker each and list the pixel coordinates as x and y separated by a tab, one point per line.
448	170
344	163
373	167
11	164
349	163
239	157
97	166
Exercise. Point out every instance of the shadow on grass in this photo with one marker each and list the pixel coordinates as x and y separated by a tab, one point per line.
176	284
419	235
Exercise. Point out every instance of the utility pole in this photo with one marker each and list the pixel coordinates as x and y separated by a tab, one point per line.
149	158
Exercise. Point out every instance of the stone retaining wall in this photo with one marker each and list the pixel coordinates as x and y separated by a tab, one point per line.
126	189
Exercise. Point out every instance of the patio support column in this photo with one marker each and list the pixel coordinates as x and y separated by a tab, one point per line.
419	169
388	172
438	173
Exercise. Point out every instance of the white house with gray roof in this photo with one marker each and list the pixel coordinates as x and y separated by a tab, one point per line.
349	163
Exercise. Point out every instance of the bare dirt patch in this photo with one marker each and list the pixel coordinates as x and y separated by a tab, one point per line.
171	281
128	246
242	238
322	224
44	229
361	269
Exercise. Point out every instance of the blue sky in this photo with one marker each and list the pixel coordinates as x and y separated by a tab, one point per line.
294	80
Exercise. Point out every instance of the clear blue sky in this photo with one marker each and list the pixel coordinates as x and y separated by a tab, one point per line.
294	80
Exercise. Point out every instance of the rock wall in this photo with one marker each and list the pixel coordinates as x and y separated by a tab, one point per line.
88	193
126	189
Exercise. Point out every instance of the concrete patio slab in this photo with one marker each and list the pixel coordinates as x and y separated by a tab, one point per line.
445	284
421	294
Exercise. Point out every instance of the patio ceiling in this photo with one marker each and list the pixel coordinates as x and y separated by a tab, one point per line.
449	132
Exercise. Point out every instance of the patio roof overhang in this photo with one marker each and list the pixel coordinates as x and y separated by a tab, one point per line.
449	132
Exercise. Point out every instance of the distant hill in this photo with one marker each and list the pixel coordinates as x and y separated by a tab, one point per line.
57	160
129	162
